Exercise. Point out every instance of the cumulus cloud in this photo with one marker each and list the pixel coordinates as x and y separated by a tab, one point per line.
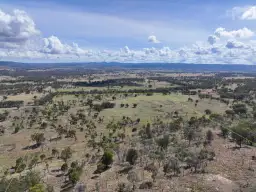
243	13
53	45
149	51
126	49
153	39
16	29
240	33
19	39
212	39
18	32
233	44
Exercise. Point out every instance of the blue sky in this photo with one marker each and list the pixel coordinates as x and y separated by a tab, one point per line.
115	25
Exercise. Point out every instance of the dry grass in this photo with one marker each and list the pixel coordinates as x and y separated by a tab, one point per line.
23	97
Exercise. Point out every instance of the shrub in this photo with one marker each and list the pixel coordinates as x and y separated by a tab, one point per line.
163	142
146	185
74	176
239	108
38	138
21	168
208	111
42	157
224	132
66	154
107	158
23	183
148	131
64	167
172	165
16	129
209	136
189	134
37	188
132	156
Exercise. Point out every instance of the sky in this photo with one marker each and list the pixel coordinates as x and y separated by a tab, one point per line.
167	31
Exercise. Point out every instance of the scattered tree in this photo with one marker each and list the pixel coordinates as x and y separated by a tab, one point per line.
132	156
66	154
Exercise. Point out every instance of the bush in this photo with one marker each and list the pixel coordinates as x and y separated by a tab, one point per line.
104	105
240	108
149	94
37	188
21	168
38	138
64	167
216	117
189	134
16	129
132	156
146	185
124	187
21	183
100	168
148	131
163	142
10	104
209	136
74	176
107	105
208	111
66	154
224	132
230	112
172	165
107	158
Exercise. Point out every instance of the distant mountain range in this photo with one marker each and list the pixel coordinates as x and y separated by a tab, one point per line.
179	67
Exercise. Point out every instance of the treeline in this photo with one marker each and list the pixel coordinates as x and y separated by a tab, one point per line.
208	96
191	82
241	92
10	104
110	82
145	91
230	74
104	105
48	72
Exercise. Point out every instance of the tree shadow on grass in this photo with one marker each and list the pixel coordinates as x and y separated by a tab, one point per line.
31	147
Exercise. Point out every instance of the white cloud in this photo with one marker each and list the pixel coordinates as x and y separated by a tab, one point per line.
243	13
240	33
149	51
20	39
233	44
18	32
153	39
249	14
126	49
16	29
53	45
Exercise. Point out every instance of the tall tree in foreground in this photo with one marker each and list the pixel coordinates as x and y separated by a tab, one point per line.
240	133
